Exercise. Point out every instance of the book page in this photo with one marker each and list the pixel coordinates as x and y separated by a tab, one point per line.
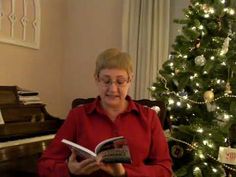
107	142
114	150
81	151
1	118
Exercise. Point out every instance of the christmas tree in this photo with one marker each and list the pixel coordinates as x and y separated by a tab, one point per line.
198	85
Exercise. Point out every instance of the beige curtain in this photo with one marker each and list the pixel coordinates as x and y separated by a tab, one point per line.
146	38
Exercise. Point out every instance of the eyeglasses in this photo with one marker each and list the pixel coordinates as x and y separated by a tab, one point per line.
120	82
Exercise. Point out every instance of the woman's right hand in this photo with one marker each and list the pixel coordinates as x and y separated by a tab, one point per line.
84	167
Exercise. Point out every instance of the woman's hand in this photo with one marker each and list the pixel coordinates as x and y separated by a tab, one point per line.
114	169
84	167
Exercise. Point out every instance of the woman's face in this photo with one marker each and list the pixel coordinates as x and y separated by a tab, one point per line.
113	86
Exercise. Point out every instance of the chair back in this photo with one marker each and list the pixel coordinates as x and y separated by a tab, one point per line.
162	113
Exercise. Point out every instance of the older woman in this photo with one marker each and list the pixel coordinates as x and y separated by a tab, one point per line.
113	113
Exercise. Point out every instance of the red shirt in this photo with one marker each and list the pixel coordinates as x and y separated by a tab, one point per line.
88	125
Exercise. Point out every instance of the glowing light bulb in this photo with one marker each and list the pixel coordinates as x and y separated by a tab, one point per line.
196	170
226	117
200	130
171	101
200	27
201	156
231	11
210	145
153	88
223	63
212	10
214	170
222	1
205	142
189	106
178	103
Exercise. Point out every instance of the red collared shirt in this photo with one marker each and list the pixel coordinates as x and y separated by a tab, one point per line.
88	125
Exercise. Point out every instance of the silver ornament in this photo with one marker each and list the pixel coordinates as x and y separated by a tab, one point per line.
225	46
200	60
211	107
197	172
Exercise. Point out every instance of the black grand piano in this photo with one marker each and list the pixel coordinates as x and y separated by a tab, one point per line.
25	131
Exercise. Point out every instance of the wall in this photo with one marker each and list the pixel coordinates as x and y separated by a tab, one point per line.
41	69
92	26
177	7
73	32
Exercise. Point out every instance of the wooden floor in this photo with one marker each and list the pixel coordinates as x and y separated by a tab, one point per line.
21	167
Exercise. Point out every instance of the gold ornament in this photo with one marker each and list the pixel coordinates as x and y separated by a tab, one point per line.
219	24
205	8
197	43
177	71
228	88
208	96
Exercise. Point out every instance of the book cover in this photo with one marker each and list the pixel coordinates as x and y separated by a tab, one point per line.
26	92
112	150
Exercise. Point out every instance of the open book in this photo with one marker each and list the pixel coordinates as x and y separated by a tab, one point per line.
112	150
